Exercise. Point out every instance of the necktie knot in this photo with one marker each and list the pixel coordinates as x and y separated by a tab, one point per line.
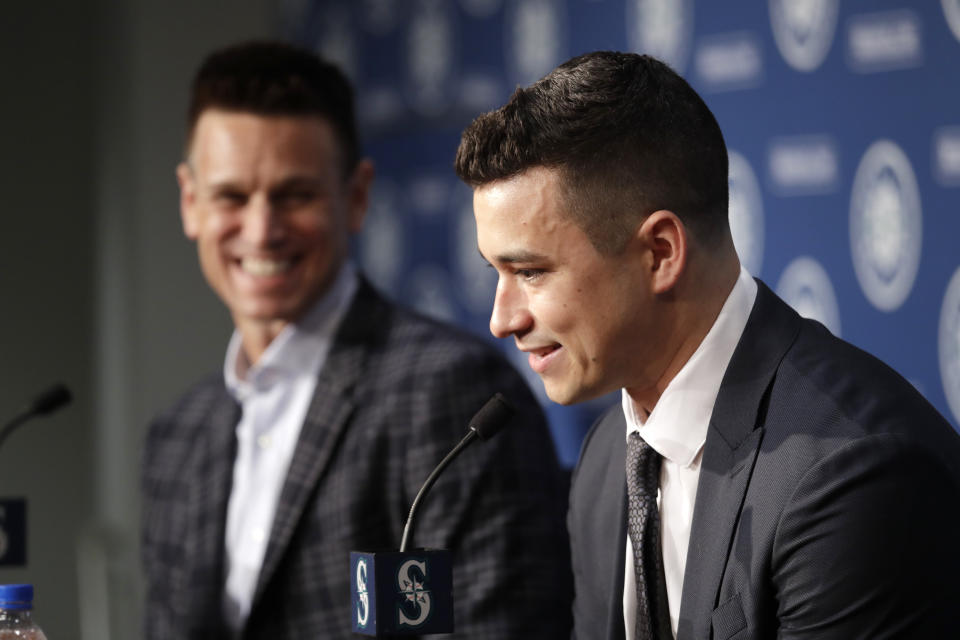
643	463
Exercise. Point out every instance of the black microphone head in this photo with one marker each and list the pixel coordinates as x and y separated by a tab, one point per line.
51	400
492	417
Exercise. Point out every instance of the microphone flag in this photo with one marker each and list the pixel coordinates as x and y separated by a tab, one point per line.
402	592
411	592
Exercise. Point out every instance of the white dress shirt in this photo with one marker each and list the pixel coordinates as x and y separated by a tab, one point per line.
677	430
275	394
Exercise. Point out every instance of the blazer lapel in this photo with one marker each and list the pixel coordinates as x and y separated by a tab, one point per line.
733	440
328	416
724	476
600	528
617	516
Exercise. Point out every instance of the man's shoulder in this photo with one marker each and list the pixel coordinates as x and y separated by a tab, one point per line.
208	389
192	407
815	394
609	426
176	436
606	435
404	335
818	377
828	394
839	377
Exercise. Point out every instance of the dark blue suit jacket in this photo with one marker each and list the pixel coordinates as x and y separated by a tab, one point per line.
828	504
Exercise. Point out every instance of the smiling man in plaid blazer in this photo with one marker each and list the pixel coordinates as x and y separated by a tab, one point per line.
334	404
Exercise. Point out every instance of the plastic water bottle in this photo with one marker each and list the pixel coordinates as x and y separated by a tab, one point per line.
16	613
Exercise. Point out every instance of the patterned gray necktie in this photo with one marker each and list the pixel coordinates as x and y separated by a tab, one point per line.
643	524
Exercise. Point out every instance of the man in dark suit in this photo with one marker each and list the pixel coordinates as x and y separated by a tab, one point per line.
334	404
762	478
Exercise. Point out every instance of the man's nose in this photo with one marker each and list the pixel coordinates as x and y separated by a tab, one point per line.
263	224
510	315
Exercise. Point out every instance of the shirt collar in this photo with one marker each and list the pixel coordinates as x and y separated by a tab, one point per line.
299	348
677	426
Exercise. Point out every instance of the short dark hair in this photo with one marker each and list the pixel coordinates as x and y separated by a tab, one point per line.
276	79
628	136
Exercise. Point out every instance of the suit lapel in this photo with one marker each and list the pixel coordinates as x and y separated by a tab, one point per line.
724	476
616	488
327	417
601	528
733	440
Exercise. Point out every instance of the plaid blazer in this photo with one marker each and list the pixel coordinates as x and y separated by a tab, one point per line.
394	396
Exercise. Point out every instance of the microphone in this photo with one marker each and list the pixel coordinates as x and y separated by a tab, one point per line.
415	592
47	402
484	425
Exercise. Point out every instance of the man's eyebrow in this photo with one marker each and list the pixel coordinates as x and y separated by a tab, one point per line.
297	182
219	185
291	182
515	256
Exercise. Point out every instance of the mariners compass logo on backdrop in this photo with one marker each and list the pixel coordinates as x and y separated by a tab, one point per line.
534	38
431	57
382	241
806	287
951	10
661	28
885	225
949	344
803	30
337	40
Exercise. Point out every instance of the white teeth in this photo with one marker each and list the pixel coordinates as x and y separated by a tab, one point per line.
264	266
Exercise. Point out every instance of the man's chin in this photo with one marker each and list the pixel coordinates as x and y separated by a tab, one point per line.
565	396
266	313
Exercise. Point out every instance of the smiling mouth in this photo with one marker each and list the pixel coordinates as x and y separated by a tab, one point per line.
544	351
264	267
539	359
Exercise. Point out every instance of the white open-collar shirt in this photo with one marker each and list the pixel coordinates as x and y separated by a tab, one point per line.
677	430
275	394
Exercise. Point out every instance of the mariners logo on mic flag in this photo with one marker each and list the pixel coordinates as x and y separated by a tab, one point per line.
402	592
411	580
362	604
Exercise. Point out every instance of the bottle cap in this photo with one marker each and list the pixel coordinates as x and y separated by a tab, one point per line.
16	596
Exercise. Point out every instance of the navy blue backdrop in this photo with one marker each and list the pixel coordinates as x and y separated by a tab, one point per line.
842	120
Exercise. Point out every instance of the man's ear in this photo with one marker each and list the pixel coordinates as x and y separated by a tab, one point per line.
359	196
665	237
188	200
